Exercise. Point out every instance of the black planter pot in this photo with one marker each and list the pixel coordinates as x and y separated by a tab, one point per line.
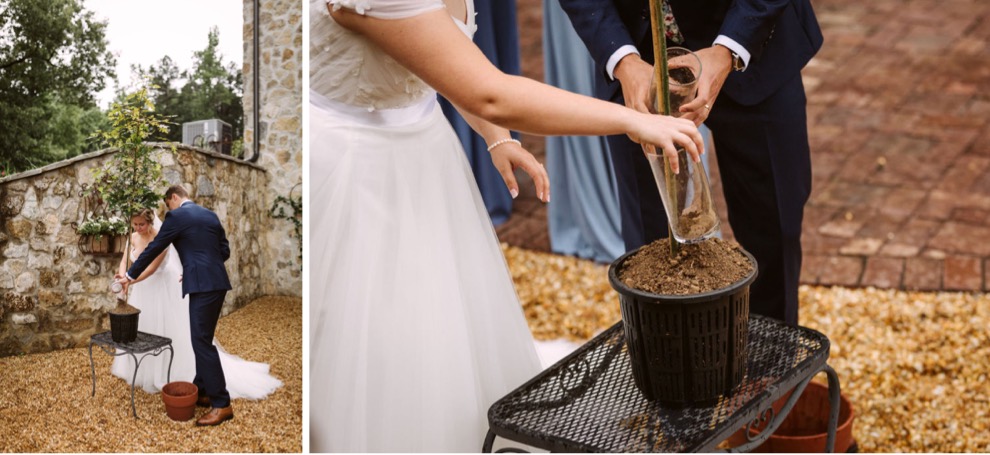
124	327
685	349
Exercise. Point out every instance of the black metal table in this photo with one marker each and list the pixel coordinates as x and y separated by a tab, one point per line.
588	402
145	344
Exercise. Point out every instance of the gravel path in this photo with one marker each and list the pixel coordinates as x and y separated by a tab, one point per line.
915	365
45	403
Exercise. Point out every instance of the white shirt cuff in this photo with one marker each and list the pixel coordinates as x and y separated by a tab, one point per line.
734	47
616	56
128	275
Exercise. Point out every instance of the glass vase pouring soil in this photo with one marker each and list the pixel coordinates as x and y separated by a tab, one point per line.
687	195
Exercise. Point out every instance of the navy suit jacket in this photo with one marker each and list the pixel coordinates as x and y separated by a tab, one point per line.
780	35
201	243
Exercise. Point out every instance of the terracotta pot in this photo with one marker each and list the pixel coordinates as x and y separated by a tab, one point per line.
804	430
180	400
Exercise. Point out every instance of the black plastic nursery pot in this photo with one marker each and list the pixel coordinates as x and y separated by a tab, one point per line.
124	327
685	349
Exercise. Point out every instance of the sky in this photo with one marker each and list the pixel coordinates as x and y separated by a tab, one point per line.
144	31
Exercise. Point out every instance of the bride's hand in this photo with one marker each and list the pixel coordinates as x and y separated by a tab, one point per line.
508	156
662	131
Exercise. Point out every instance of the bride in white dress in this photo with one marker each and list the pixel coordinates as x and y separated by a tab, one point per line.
164	311
415	326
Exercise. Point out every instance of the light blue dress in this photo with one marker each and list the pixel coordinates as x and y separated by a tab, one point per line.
583	214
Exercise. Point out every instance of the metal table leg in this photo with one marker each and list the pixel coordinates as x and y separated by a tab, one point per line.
489	440
833	415
137	363
171	356
92	369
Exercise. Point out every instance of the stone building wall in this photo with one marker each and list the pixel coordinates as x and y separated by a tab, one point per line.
280	120
54	296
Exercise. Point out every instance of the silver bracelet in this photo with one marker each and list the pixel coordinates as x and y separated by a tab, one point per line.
503	141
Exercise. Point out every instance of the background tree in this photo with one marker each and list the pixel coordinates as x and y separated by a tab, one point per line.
211	89
53	58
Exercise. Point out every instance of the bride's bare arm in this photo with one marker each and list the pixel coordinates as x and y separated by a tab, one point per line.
433	48
151	267
122	268
509	155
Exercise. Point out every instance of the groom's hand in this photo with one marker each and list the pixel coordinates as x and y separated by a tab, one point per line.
716	64
634	75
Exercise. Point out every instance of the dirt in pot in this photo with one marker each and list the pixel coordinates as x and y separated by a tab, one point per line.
698	268
124	308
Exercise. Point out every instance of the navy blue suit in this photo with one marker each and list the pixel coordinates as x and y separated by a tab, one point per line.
201	242
758	123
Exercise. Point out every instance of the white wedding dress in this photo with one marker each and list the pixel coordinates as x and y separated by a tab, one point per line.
415	325
165	312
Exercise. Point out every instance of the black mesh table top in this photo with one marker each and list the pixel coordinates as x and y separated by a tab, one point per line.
143	343
588	402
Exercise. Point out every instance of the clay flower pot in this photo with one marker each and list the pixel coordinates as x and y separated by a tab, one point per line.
805	428
180	400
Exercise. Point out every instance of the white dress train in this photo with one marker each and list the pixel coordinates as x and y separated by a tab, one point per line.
415	325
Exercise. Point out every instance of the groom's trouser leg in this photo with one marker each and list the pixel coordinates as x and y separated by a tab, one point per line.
204	312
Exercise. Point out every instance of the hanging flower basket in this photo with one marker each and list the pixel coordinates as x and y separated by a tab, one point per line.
102	236
102	244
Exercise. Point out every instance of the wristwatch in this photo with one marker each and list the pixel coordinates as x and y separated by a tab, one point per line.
737	62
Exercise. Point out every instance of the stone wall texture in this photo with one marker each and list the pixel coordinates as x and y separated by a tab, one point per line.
279	132
54	296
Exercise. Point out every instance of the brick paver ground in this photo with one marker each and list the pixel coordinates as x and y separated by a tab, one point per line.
899	124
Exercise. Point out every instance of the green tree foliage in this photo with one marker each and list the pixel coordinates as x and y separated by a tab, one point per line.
53	58
131	180
211	89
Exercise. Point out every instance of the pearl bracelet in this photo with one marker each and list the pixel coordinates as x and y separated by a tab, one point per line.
503	141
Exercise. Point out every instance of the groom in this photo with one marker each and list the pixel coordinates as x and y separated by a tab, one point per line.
752	98
202	245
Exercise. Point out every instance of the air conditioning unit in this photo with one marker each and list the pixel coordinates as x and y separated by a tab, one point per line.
213	134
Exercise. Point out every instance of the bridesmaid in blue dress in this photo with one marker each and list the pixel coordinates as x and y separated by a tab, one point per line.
583	215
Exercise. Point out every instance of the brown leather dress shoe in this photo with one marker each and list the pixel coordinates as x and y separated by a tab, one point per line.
203	401
216	416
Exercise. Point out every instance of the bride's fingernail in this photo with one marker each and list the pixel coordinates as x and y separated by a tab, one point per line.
514	193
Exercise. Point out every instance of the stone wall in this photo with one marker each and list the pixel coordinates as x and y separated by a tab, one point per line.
279	132
54	296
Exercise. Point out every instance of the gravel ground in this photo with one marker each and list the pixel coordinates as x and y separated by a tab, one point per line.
45	403
915	365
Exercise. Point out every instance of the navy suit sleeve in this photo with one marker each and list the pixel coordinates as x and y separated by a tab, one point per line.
750	23
600	26
167	233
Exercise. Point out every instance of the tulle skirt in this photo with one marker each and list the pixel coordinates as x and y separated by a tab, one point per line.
415	326
165	312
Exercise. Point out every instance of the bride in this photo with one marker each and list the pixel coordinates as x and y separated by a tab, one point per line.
164	311
416	328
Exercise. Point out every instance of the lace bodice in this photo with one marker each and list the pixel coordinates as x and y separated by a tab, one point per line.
347	68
